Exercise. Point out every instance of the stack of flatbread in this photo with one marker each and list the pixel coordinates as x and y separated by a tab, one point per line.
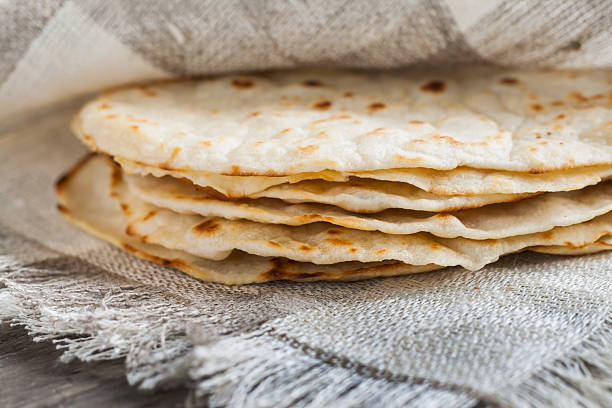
344	174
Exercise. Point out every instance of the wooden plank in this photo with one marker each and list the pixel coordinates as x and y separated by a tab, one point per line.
32	376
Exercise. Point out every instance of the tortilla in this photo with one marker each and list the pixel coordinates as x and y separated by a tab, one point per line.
527	216
369	196
460	181
85	199
216	238
602	244
286	123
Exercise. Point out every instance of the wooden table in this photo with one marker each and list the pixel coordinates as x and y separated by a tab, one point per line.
32	376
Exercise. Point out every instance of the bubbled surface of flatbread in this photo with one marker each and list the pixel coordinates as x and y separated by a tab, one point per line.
309	121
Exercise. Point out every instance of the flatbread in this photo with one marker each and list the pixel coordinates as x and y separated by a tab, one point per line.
287	123
84	198
527	216
369	196
460	181
602	244
361	196
216	238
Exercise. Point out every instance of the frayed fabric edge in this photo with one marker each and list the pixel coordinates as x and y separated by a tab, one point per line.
581	379
262	370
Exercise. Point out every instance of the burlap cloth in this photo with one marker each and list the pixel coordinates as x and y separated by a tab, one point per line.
530	330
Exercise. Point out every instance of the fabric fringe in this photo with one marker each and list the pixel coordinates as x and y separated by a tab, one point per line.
157	336
257	369
582	379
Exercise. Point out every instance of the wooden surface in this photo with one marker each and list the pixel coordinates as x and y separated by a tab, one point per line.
32	376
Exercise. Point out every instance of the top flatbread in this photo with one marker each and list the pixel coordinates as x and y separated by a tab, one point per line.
289	123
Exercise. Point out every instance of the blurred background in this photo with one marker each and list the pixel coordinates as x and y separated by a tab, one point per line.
54	49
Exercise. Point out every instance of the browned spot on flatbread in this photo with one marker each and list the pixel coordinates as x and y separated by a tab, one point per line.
166	165
339	242
139	120
312	83
446	139
508	81
401	157
62	209
333	232
125	208
381	251
278	271
205	143
557	103
207	227
322	105
548	234
348	94
105	106
148	91
416	122
336	117
308	149
285	131
274	244
353	250
149	215
305	248
242	83
578	96
377	131
111	116
254	114
376	106
536	107
560	116
236	171
135	127
434	86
